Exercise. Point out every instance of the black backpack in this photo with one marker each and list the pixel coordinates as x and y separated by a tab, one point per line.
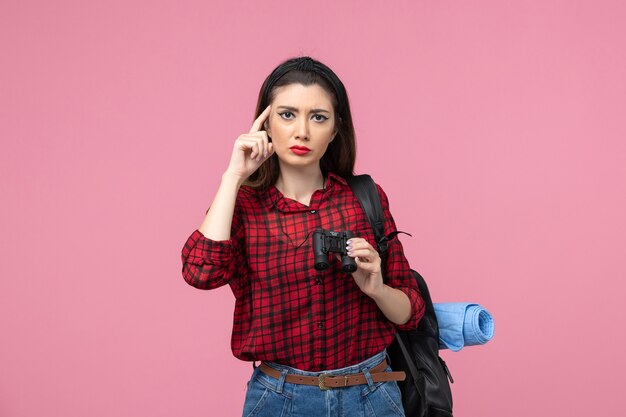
425	391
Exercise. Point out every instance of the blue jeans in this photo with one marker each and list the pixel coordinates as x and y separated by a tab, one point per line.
270	397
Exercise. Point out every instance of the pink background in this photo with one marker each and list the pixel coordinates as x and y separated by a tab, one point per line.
496	128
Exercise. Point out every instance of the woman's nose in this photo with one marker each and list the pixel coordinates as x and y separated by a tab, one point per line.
302	129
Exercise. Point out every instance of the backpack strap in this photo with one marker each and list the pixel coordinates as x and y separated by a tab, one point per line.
364	188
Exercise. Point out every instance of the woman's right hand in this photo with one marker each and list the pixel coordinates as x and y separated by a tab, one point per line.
251	149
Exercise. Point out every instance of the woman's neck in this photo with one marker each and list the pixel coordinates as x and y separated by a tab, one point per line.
299	184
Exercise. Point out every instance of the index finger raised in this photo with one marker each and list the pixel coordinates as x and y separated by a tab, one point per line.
256	125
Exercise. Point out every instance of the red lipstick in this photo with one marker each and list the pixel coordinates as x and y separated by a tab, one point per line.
300	150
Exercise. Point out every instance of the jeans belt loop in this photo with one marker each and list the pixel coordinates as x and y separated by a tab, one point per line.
281	381
368	378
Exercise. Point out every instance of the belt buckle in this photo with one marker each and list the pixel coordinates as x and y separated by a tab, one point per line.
321	382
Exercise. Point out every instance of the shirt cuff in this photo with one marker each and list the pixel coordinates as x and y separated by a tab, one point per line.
417	309
200	250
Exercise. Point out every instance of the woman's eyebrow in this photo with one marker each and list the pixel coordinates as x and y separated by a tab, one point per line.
296	110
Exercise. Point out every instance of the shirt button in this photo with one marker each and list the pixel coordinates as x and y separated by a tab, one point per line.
320	324
313	211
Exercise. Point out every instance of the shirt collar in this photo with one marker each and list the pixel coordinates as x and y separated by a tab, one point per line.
273	197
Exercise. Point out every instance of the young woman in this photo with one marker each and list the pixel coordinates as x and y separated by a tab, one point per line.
321	335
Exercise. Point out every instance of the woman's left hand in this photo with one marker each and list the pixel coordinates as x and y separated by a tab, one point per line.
368	275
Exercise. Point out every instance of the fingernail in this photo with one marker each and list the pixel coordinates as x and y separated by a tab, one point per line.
349	247
265	154
350	253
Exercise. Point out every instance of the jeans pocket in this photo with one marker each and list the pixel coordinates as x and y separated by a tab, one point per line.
256	395
392	390
262	399
384	400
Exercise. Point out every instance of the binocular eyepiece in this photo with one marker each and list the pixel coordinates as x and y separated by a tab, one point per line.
325	242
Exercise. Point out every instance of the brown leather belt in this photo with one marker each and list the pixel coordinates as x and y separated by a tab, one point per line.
328	381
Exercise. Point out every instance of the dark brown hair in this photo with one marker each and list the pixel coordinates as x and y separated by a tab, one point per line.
341	153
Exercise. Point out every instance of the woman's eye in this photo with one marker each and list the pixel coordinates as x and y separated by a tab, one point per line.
287	116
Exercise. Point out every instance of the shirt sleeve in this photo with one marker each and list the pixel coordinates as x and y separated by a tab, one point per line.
209	264
398	272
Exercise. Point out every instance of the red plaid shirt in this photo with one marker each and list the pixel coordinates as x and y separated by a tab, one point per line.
286	311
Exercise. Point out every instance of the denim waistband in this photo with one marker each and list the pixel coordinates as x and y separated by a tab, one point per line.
352	369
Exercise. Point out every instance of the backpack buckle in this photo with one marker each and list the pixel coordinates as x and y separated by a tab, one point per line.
383	244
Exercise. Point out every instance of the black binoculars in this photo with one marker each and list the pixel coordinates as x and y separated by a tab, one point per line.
326	241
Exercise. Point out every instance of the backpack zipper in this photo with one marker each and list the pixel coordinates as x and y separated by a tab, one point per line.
445	368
